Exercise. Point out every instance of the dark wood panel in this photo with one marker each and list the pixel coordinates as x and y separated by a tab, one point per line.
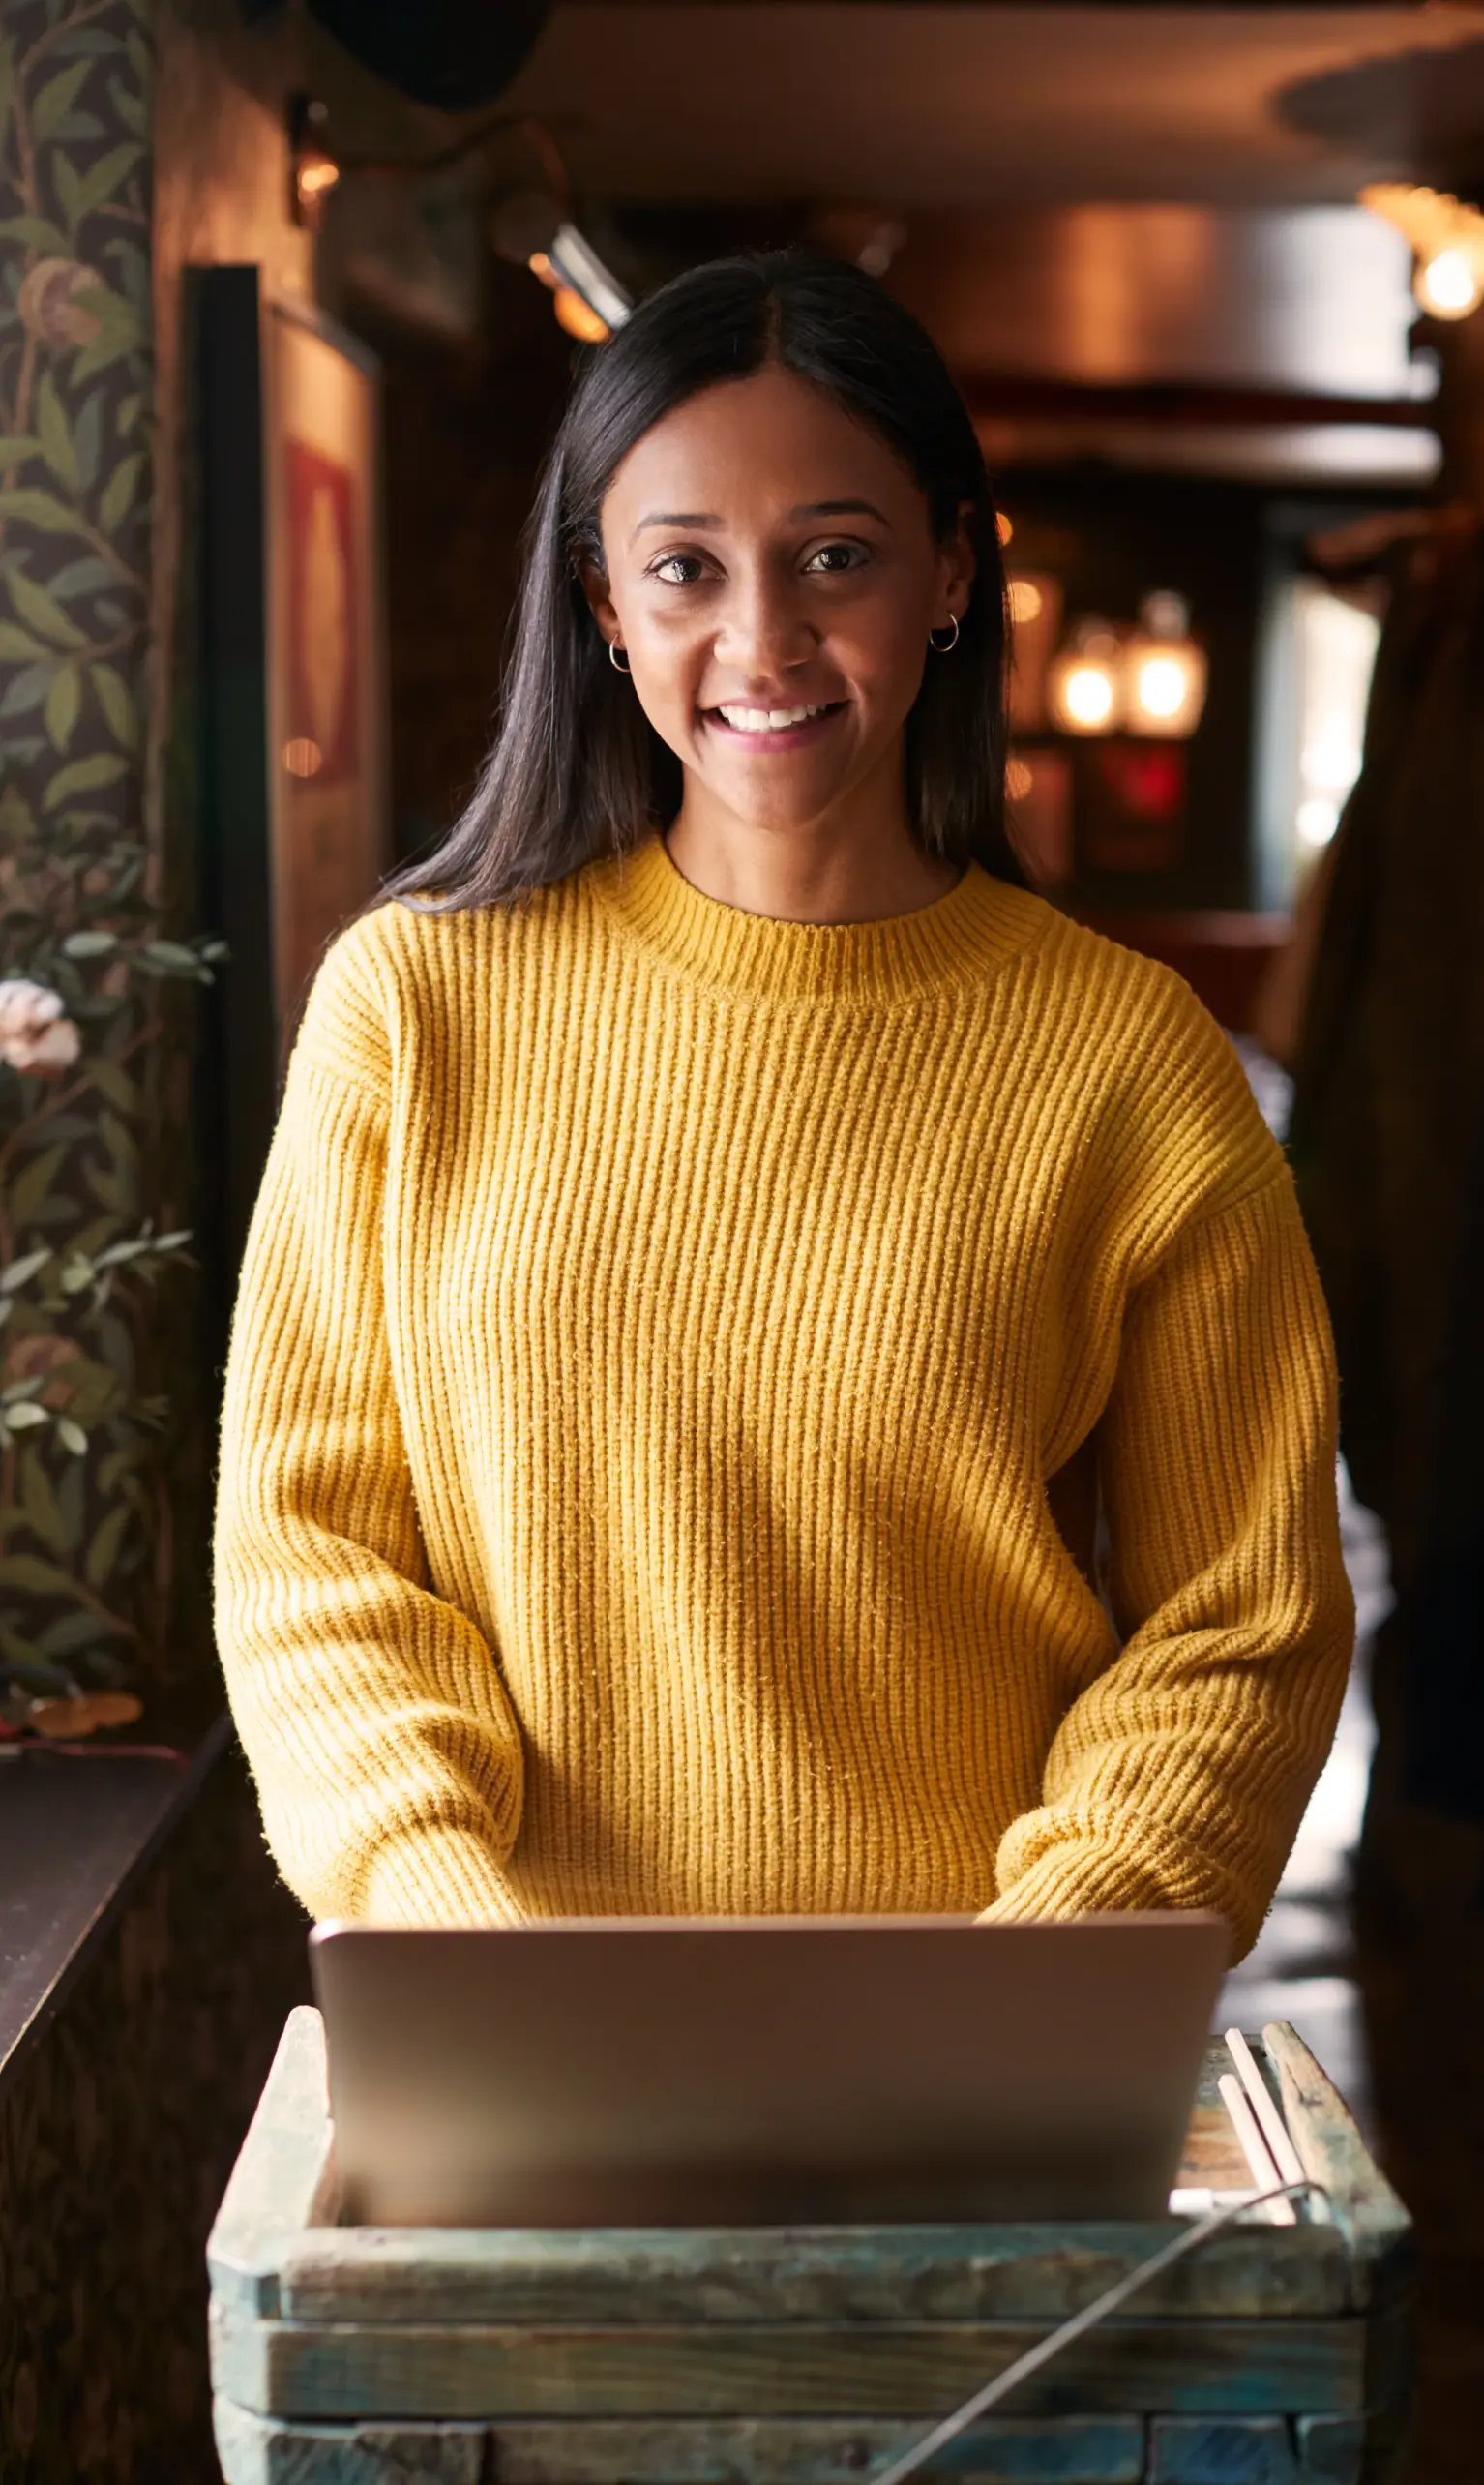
75	1831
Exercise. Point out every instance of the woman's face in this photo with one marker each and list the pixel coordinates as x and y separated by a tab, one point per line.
772	577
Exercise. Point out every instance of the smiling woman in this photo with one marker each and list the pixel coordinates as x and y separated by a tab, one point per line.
726	1237
816	581
782	619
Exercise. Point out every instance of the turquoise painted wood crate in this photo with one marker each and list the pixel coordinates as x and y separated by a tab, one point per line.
357	2356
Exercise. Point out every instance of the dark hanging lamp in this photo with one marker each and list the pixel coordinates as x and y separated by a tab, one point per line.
455	55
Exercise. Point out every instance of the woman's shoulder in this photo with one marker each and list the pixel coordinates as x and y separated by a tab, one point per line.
1131	1003
390	970
1097	970
408	970
1172	1104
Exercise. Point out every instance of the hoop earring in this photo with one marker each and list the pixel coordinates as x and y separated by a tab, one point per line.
944	646
614	653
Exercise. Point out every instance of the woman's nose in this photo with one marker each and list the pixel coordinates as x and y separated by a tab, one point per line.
763	630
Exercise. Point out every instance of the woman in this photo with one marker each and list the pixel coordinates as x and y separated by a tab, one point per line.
723	1227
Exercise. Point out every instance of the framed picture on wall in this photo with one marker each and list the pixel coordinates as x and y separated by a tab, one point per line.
326	672
288	669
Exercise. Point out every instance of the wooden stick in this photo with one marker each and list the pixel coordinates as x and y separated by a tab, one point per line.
1274	2129
1245	2123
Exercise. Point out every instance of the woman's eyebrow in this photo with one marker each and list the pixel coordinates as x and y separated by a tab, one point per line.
677	517
841	509
805	509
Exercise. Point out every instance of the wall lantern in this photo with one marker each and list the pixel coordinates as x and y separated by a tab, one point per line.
589	301
533	226
1149	680
1447	240
313	168
1084	689
1164	671
533	229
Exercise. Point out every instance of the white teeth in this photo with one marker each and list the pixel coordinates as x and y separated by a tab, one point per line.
766	720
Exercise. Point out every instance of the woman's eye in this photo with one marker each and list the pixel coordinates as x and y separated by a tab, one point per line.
679	569
832	558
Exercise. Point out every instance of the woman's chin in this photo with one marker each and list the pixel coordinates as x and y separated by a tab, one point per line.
780	810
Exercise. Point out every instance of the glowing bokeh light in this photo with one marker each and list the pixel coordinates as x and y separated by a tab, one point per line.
1089	693
1450	284
1161	685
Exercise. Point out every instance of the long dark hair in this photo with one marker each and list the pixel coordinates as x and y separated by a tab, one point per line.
577	770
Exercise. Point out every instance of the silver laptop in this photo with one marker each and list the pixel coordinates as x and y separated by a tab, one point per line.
772	2071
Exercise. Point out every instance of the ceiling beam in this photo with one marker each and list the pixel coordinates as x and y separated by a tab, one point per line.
1001	397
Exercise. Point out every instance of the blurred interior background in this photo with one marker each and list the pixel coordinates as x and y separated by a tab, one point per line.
290	296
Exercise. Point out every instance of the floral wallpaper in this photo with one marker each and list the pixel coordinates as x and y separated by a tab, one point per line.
92	1039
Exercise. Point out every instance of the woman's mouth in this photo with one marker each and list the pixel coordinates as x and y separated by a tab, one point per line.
773	729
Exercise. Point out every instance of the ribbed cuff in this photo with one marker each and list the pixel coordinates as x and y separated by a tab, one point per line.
439	1875
1067	1882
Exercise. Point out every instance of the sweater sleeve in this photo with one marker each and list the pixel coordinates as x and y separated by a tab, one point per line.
385	1752
1179	1776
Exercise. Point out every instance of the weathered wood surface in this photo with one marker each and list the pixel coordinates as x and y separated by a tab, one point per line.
283	2180
1194	2368
811	2356
275	2247
262	2450
1070	2450
1213	2155
1073	2450
770	2274
1366	2210
1331	2448
1222	2450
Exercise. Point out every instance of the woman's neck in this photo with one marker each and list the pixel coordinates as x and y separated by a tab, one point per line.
864	868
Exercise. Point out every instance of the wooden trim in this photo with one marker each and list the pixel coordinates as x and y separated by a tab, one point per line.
283	2181
904	2370
1366	2210
1006	396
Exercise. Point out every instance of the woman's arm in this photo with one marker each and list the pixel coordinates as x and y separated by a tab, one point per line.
386	1756
1180	1776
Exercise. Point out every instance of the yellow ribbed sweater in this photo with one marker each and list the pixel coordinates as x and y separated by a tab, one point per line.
658	1330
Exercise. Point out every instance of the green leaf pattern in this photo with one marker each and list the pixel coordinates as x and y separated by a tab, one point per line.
90	1235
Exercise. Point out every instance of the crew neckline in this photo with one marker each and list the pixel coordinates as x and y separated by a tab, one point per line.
968	933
